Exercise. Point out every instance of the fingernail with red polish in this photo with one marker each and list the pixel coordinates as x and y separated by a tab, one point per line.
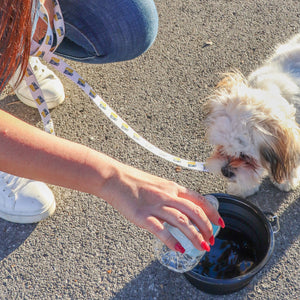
205	246
221	223
179	248
212	240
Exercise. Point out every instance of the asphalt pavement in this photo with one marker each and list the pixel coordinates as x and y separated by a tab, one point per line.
87	250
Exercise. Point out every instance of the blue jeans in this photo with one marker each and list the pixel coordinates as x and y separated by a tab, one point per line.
104	31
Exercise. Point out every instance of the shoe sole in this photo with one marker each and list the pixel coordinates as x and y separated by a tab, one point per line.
50	104
29	219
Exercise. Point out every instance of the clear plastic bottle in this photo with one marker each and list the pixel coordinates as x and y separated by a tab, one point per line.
177	261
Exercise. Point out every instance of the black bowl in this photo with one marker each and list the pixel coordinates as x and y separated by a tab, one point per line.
248	225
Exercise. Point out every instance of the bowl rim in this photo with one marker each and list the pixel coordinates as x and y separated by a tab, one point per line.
257	268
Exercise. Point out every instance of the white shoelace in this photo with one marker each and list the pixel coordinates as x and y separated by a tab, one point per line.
11	184
40	70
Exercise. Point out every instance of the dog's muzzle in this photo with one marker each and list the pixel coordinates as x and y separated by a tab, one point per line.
227	172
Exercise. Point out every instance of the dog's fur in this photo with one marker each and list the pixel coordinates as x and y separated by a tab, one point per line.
252	124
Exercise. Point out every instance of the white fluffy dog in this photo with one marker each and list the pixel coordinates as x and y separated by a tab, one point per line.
252	124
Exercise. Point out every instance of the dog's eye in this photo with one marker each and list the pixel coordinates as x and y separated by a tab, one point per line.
243	156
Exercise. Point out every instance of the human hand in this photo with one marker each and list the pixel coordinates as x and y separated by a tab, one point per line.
148	201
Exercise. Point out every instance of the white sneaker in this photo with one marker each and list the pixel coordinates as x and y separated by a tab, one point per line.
49	83
23	200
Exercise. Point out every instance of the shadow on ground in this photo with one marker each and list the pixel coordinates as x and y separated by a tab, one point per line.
12	236
13	106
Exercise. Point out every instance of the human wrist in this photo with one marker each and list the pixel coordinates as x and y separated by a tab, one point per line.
119	185
106	177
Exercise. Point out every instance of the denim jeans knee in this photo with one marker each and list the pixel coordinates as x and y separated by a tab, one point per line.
107	30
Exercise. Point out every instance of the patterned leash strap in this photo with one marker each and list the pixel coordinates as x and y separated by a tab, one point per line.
70	73
45	51
38	49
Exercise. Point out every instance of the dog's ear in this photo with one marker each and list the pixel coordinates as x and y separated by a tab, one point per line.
279	153
272	160
231	80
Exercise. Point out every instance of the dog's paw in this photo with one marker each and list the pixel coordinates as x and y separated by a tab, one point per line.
291	184
237	190
287	185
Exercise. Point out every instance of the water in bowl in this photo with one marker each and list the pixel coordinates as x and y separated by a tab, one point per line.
233	255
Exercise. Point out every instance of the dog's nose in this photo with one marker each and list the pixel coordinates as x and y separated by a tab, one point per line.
227	172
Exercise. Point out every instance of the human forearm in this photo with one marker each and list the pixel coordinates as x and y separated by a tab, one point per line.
29	152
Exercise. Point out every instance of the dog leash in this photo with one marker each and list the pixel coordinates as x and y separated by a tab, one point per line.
45	51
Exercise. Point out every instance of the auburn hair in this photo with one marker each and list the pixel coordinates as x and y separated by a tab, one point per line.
15	37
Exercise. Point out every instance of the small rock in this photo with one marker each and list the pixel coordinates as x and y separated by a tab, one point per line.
178	169
207	43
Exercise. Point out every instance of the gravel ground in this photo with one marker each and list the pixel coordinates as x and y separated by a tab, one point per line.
87	250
